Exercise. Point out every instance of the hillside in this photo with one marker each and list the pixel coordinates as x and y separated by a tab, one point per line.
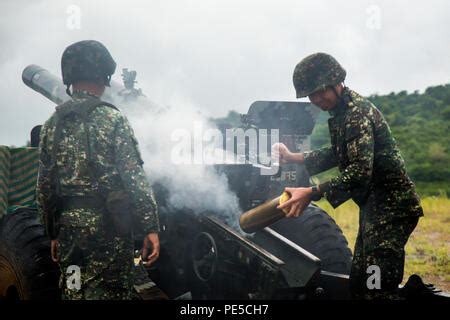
419	123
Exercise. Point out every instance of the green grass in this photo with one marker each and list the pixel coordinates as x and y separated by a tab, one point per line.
428	249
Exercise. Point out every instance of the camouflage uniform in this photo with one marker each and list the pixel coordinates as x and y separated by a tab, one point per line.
85	234
372	174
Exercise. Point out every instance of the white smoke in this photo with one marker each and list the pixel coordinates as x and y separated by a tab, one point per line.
197	187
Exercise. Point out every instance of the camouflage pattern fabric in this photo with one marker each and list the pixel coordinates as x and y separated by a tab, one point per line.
379	243
373	174
315	72
106	263
18	175
4	178
85	234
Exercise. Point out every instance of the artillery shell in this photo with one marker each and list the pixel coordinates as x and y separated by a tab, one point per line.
263	215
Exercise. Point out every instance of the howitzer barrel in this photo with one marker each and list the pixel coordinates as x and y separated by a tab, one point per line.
45	83
263	215
52	87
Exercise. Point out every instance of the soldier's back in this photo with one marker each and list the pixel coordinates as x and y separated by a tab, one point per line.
85	156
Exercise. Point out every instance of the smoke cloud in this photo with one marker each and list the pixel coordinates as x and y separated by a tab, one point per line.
196	187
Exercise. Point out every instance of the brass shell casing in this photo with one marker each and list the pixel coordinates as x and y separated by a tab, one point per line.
263	215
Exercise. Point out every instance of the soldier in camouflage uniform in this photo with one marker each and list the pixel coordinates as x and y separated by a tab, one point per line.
372	173
90	167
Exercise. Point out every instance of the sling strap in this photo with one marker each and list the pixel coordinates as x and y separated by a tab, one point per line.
64	110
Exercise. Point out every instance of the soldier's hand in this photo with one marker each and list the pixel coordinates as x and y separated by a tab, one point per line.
298	202
281	153
54	250
151	242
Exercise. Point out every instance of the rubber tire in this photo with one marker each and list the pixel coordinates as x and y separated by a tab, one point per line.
26	269
318	233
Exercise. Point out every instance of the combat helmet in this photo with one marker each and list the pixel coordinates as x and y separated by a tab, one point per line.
87	60
315	72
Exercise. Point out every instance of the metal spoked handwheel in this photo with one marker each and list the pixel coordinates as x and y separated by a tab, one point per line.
204	256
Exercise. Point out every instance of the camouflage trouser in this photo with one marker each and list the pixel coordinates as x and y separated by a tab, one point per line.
380	242
105	262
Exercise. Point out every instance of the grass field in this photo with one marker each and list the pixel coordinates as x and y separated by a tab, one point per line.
428	249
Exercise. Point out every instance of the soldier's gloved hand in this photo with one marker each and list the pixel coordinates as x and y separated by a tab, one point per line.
151	242
54	250
299	200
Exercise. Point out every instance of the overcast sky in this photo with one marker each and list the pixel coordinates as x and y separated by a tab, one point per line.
222	55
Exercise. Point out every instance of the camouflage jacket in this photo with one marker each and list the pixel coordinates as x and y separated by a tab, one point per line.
367	156
115	152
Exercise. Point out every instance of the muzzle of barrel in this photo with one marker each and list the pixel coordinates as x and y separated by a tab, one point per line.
45	83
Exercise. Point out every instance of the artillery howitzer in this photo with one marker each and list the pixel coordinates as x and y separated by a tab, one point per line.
201	255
